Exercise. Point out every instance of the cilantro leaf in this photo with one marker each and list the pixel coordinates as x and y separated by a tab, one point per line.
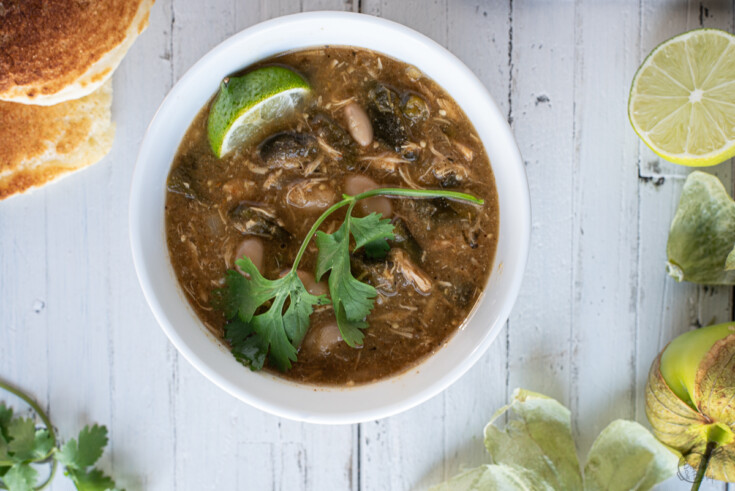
22	435
275	331
352	299
285	306
377	249
84	452
4	456
42	444
372	233
247	348
93	480
6	415
22	446
334	255
80	454
350	330
20	477
369	229
24	442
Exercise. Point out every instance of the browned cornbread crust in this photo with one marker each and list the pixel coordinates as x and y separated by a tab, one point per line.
56	50
39	144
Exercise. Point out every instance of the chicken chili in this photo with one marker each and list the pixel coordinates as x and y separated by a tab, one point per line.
367	122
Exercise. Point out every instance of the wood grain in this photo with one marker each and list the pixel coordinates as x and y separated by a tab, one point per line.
595	308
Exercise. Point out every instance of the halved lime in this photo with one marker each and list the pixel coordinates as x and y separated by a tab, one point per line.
245	105
682	101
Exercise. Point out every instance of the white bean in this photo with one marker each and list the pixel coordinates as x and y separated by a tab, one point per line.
359	124
311	195
378	204
252	248
322	339
312	286
310	283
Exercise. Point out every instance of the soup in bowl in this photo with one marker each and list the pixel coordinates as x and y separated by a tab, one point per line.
339	226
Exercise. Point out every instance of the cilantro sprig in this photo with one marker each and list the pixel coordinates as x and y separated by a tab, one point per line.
269	318
24	446
352	299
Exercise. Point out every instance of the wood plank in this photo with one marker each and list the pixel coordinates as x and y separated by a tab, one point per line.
24	301
605	220
430	443
247	447
137	355
595	308
542	96
667	308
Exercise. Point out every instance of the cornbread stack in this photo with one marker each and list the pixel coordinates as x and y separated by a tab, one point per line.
56	60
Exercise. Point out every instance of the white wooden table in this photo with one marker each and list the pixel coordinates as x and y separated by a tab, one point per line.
595	308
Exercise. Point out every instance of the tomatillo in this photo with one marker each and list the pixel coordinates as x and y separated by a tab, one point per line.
690	399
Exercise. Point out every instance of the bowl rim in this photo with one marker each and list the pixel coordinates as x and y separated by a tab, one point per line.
330	415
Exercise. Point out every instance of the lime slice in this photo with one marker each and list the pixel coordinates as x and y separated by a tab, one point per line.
246	105
682	101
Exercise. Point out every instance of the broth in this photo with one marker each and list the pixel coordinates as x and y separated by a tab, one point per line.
271	191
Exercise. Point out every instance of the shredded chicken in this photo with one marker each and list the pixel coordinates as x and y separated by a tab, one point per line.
272	179
331	151
312	166
333	106
267	212
410	271
448	108
442	169
257	169
407	178
466	152
387	161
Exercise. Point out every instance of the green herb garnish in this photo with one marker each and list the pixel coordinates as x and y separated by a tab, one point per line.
277	331
352	299
23	446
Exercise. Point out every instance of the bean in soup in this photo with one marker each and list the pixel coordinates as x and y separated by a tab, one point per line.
368	122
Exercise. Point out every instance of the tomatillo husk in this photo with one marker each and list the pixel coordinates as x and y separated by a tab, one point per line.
690	399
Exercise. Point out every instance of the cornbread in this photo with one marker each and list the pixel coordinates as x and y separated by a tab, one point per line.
53	51
40	144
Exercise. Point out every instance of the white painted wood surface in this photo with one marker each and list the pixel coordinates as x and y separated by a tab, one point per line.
595	308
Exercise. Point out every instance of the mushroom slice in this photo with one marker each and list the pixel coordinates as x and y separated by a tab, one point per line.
402	237
182	180
385	114
251	220
288	150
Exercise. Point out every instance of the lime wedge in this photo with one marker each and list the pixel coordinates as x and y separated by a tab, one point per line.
247	105
682	101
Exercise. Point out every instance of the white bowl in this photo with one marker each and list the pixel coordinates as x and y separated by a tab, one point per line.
156	275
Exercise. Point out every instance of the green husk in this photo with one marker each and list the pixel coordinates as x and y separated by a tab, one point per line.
535	451
702	235
707	416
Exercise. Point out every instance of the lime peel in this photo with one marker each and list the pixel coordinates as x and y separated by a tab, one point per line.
247	105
